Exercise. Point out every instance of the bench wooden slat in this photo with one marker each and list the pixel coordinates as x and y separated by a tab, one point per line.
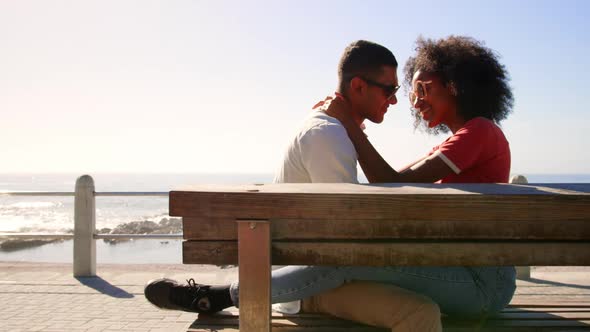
293	329
550	301
331	324
392	207
402	253
519	323
201	228
389	204
398	188
524	311
571	313
546	315
553	308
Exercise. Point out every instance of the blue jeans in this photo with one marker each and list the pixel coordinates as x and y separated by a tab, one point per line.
459	291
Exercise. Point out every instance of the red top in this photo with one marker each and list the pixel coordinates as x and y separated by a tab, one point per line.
477	153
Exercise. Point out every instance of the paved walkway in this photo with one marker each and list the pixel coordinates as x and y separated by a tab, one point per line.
46	297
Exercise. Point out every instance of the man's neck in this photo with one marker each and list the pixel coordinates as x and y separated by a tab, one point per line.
358	119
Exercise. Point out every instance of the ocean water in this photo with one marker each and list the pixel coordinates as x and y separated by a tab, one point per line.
56	214
47	214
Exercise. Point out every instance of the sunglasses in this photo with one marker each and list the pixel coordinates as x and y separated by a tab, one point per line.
389	90
419	91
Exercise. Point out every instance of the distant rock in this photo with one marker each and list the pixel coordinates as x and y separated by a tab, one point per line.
19	244
165	226
105	230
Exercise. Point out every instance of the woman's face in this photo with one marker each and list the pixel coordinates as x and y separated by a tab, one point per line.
432	99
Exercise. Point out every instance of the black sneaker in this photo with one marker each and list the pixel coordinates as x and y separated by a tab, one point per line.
168	294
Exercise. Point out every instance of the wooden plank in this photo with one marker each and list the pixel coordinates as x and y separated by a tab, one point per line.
398	188
570	290
210	252
545	301
532	315
234	312
512	329
328	320
199	328
203	228
449	322
282	321
557	208
254	275
401	253
550	308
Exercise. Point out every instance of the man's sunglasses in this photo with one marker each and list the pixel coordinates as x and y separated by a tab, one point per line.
389	90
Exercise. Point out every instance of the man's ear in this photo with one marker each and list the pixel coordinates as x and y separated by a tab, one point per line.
357	85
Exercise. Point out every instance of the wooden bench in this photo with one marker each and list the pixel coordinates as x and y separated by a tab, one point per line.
385	225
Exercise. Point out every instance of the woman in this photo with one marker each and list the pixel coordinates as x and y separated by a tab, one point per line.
457	85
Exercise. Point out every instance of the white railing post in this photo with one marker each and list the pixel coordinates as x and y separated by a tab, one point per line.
84	228
522	272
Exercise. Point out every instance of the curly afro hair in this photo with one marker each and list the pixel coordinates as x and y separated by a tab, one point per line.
473	72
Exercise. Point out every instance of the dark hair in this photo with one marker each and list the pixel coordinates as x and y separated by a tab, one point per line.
363	58
473	72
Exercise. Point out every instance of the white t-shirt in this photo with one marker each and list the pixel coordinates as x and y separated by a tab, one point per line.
320	152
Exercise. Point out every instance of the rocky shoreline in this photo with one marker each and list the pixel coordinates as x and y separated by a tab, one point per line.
164	226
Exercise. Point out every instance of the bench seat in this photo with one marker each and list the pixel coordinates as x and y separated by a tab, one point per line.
255	226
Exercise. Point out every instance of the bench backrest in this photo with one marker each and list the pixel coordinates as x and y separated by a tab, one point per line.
392	224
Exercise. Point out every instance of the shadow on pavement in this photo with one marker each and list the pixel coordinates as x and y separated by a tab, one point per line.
104	287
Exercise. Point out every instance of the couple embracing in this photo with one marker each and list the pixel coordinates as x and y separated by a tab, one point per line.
456	85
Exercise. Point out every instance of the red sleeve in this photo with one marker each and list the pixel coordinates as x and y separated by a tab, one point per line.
462	150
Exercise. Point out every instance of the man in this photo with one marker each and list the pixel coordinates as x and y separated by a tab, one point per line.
320	152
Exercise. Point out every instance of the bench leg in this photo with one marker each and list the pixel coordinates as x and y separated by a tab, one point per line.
523	272
254	266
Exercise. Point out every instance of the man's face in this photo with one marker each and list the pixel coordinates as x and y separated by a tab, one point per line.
378	94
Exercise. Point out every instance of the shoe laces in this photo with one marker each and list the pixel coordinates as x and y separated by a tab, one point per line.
198	292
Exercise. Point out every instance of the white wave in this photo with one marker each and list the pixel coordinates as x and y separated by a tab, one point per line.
34	205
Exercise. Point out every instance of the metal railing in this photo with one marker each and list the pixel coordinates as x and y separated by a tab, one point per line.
85	236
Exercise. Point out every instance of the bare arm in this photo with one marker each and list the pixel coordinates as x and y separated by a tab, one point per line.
376	169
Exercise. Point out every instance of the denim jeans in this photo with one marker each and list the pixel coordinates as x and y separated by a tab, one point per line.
459	291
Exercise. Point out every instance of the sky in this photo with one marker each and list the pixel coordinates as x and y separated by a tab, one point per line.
221	86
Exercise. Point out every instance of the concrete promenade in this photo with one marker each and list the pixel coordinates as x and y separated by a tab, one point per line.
46	297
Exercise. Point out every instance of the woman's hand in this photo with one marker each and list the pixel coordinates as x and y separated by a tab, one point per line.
339	108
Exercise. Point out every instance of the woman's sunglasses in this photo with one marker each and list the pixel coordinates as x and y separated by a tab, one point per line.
419	91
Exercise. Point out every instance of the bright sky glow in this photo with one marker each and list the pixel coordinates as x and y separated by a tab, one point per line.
219	86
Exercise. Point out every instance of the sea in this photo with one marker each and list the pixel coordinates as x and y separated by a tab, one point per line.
54	214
